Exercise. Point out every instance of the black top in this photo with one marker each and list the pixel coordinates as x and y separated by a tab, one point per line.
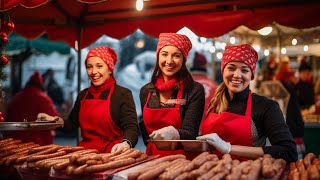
267	122
122	109
191	112
305	94
294	118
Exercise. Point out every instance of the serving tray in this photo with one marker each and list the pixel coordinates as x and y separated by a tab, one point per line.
28	126
187	145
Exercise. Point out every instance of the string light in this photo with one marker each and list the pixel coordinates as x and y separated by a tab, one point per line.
212	49
219	55
305	47
294	41
139	5
265	31
283	50
266	52
203	39
232	40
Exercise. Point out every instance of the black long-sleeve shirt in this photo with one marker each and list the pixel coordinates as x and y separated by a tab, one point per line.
190	113
122	109
267	122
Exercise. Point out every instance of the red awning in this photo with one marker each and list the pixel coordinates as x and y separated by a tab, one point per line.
87	20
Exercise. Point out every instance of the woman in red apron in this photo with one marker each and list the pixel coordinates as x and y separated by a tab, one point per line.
172	102
105	112
238	121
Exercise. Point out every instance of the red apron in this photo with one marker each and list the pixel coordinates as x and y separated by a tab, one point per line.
230	127
98	130
155	119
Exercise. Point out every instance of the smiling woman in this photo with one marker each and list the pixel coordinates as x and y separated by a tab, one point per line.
172	103
254	117
105	112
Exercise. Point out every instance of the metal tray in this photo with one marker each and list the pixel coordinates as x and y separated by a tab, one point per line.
187	145
28	126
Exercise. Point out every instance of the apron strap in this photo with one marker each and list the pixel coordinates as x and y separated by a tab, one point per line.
249	105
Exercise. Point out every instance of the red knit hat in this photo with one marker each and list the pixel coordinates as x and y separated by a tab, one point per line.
242	53
36	78
107	54
182	42
199	61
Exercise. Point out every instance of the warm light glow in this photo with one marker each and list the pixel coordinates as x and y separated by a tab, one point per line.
212	49
294	41
203	39
256	47
139	5
266	52
232	40
140	44
76	45
305	47
223	45
265	31
219	55
283	50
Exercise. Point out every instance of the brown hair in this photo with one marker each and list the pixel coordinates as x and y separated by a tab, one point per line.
219	102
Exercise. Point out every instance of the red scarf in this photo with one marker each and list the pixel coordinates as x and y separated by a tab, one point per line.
171	84
97	90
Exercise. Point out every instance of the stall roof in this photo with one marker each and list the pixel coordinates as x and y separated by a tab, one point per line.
87	20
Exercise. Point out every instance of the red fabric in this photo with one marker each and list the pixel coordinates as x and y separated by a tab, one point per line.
155	119
98	130
199	61
209	88
36	78
107	54
96	91
25	106
230	127
284	72
182	42
243	53
163	86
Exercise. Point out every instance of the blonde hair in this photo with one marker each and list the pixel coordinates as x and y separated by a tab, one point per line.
219	102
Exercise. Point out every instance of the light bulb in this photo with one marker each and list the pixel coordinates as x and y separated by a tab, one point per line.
265	31
305	47
232	40
283	50
139	5
266	52
294	41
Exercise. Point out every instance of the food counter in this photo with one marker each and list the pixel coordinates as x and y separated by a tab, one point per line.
66	162
311	135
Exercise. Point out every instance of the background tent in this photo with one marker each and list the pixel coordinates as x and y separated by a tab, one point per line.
42	44
85	21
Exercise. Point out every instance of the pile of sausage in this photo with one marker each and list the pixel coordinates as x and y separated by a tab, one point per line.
11	150
67	159
306	168
209	166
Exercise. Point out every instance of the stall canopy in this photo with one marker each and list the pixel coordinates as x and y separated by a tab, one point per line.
86	20
41	44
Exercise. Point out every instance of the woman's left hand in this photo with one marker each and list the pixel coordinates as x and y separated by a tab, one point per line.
214	140
165	133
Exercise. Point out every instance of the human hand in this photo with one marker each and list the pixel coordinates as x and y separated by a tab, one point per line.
120	146
46	117
214	140
165	133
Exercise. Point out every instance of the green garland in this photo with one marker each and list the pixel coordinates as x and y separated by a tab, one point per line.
6	26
